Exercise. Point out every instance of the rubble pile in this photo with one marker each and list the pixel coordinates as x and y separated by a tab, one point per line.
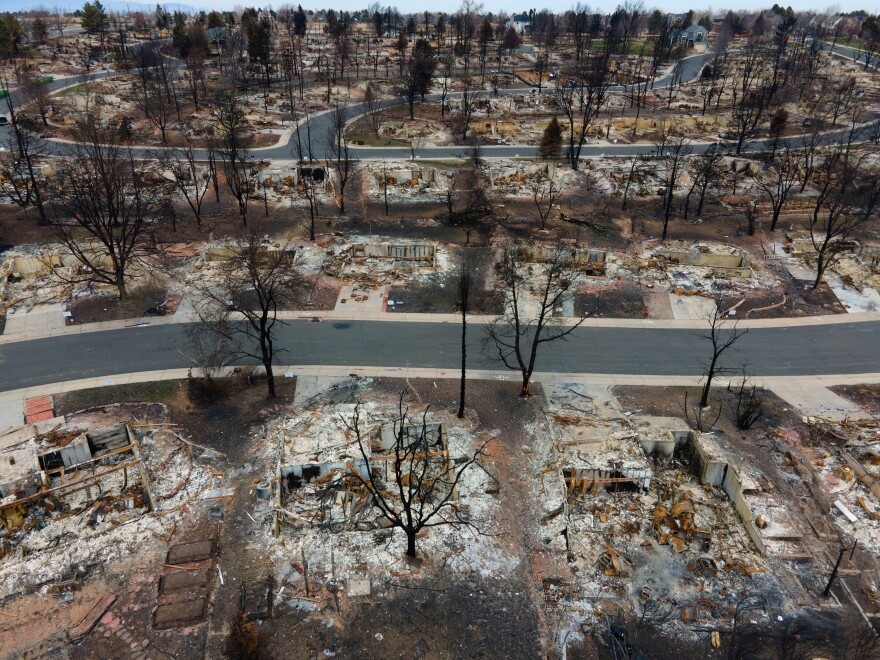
331	534
636	528
702	268
115	488
847	456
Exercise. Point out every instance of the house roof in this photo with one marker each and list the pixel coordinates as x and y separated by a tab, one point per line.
217	33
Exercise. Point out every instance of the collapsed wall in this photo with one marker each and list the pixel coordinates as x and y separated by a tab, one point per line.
714	469
404	251
592	261
732	264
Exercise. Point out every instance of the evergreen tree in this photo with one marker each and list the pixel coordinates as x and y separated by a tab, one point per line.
199	46
11	33
424	66
94	18
39	31
162	17
512	40
179	37
299	22
551	141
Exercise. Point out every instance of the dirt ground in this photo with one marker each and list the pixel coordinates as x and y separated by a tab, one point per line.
670	401
143	301
624	300
866	396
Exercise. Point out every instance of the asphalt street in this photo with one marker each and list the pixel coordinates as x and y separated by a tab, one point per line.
841	348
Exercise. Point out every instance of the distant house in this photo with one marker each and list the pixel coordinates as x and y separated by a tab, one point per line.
520	22
693	36
217	36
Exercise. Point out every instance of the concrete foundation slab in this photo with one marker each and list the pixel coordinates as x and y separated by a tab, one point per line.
819	401
685	308
177	615
358	588
38	321
183	553
183	581
308	387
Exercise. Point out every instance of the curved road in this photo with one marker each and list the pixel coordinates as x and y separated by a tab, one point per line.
319	127
835	348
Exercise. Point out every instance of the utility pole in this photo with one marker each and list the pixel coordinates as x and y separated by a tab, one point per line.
833	577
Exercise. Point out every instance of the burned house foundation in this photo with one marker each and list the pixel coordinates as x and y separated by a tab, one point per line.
48	474
322	469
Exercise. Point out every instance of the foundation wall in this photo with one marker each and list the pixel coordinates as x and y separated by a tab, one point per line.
608	478
710	470
416	252
311	471
733	487
659	445
591	260
704	259
721	474
44	264
220	253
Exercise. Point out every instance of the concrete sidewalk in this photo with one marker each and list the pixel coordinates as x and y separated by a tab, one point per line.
807	393
24	330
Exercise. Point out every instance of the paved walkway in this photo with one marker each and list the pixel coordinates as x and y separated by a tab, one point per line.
11	413
807	393
24	331
815	400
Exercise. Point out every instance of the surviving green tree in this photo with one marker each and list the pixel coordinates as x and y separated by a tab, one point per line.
94	18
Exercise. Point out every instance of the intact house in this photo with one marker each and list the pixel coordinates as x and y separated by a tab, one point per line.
693	36
520	22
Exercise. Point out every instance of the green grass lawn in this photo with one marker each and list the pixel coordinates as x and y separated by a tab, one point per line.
76	89
633	47
849	43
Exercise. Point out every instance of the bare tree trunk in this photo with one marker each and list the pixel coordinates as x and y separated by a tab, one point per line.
820	268
464	290
710	374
